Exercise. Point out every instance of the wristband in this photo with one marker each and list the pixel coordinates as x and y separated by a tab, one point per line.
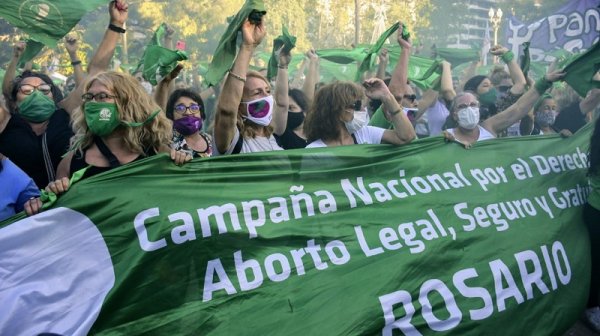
282	66
507	56
74	63
541	85
394	113
116	29
238	77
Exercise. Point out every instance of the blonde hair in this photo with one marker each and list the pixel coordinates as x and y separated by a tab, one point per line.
134	104
247	128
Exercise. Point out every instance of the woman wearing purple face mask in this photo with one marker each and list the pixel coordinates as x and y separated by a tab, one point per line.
186	109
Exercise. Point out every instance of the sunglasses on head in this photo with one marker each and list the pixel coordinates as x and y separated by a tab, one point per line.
411	97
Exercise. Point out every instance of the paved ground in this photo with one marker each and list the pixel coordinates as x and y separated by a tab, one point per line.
580	329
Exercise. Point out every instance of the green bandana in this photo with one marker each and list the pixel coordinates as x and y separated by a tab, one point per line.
37	107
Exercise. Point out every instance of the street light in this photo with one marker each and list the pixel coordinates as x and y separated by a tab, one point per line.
495	18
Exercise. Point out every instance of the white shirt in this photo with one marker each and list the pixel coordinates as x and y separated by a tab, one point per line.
251	145
365	135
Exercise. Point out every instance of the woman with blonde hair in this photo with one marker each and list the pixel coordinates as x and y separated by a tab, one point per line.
247	114
118	123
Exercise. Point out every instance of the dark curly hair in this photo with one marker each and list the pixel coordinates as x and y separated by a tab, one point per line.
184	93
323	118
594	152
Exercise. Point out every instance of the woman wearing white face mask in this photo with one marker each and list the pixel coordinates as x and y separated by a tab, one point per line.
247	114
465	111
338	116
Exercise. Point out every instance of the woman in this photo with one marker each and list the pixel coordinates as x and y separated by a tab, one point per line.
35	135
544	116
591	217
17	188
466	113
186	109
293	137
247	114
120	124
338	116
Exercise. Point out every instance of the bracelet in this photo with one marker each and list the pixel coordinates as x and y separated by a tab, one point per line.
238	77
541	85
394	113
507	57
116	29
282	66
76	62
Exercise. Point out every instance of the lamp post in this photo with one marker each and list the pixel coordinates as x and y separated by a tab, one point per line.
495	18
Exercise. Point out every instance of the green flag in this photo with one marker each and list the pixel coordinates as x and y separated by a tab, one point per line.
159	34
525	60
46	21
224	55
362	240
157	62
288	42
368	60
581	70
330	71
32	49
457	56
342	56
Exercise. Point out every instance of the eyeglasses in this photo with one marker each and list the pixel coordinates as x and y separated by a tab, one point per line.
99	97
181	109
464	106
28	89
357	106
411	97
504	88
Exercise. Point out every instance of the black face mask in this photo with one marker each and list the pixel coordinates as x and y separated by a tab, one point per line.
294	120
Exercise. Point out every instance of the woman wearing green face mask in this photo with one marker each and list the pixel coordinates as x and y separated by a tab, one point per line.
36	134
118	123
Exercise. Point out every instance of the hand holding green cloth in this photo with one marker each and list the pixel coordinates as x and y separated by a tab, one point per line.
525	60
424	72
374	50
226	50
343	56
581	70
46	21
157	62
457	56
32	48
285	40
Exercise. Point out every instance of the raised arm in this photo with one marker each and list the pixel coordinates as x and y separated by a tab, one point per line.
518	110
72	45
399	80
403	131
231	95
11	70
104	52
312	77
589	103
446	85
165	87
516	74
281	93
384	58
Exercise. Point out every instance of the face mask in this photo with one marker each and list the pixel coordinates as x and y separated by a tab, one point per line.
187	125
360	120
488	98
260	111
468	118
37	107
294	120
103	118
545	118
410	113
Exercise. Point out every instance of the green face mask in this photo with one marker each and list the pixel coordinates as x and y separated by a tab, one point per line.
488	98
103	118
37	107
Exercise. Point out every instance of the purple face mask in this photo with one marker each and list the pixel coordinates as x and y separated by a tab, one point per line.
187	125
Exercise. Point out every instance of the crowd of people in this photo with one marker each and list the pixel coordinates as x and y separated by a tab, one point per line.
109	119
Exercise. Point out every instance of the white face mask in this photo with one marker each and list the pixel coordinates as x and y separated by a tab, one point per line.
360	120
260	111
468	118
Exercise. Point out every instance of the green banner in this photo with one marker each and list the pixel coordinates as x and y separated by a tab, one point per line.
357	240
46	21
